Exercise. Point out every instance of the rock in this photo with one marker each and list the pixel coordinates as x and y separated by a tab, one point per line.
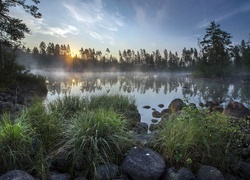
156	114
201	104
141	128
165	111
64	176
146	107
153	127
143	163
145	140
176	105
154	120
16	175
181	174
6	106
133	116
236	109
106	172
59	164
209	104
217	109
243	170
246	140
209	173
160	105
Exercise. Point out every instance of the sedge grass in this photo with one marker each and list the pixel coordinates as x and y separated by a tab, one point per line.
197	136
96	137
15	145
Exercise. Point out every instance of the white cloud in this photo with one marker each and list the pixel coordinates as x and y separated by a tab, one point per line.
94	19
63	31
231	12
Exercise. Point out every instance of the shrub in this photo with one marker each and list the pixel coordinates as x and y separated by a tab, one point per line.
94	138
197	136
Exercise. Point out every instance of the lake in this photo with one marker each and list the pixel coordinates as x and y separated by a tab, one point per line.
149	89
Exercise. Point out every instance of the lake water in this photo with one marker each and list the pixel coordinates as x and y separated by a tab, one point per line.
148	88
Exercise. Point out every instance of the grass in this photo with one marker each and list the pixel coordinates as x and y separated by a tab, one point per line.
197	136
96	137
89	130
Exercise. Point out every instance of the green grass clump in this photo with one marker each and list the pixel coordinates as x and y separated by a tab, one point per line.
67	106
16	147
197	136
47	125
94	138
118	103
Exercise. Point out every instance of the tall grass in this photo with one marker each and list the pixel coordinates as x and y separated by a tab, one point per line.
119	103
197	136
89	131
47	125
16	149
96	137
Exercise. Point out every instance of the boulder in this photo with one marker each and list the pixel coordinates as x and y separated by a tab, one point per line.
146	107
106	172
140	128
143	163
181	174
64	176
209	173
153	127
236	109
160	105
16	175
243	170
246	140
143	139
156	114
176	105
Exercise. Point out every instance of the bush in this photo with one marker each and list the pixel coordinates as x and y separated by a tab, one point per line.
197	136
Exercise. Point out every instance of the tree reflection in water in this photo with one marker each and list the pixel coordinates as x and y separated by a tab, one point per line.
148	88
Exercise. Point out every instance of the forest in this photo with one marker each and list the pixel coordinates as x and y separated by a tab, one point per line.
216	56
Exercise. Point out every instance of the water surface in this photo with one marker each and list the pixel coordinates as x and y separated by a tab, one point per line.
149	89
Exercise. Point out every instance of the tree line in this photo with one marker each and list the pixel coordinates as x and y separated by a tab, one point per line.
216	56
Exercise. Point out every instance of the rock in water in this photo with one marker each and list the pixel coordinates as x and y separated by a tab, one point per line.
176	105
236	109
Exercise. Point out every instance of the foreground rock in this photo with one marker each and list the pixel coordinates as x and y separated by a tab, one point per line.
209	173
16	175
143	163
181	174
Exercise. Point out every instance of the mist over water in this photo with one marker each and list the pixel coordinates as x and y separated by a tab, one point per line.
148	88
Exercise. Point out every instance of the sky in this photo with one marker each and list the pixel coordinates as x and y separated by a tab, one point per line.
133	24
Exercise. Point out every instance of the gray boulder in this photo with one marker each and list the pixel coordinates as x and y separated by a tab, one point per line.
140	128
181	174
209	173
106	172
16	175
60	177
143	163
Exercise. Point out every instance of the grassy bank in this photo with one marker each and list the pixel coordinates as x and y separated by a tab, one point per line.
92	131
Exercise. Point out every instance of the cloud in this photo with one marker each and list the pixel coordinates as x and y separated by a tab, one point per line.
150	15
63	31
94	19
231	12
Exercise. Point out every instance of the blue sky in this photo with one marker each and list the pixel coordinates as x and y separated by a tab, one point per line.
134	24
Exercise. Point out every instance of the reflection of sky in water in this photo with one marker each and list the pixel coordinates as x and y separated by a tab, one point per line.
149	89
